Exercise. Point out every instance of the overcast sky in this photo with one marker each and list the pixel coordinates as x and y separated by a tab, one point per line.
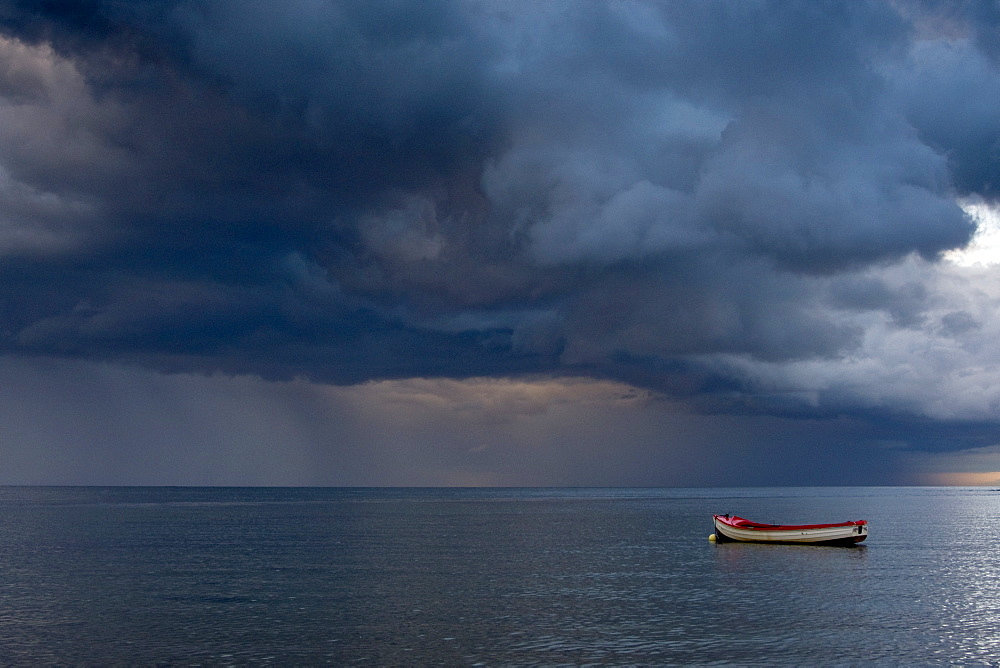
499	243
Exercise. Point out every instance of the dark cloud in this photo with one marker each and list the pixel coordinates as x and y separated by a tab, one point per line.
947	96
694	197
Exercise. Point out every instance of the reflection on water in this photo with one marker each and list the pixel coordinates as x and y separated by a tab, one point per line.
410	577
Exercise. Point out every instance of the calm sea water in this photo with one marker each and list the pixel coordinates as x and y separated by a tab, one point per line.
494	577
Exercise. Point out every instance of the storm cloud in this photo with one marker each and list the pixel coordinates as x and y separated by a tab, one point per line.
743	208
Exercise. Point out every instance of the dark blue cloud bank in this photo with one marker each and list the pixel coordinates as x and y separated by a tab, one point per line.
741	206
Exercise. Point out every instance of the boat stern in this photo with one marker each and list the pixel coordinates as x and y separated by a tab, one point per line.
861	529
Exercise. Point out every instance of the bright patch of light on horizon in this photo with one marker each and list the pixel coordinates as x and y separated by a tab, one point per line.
984	248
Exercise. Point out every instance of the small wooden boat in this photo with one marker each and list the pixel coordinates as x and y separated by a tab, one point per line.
732	528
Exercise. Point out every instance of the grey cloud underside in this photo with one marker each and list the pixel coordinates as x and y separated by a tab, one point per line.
347	191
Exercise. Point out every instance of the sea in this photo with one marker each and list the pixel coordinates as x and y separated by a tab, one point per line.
492	577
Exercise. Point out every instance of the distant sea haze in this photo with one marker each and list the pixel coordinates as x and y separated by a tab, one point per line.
308	576
991	478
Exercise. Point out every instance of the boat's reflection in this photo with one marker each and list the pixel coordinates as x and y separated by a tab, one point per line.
747	557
